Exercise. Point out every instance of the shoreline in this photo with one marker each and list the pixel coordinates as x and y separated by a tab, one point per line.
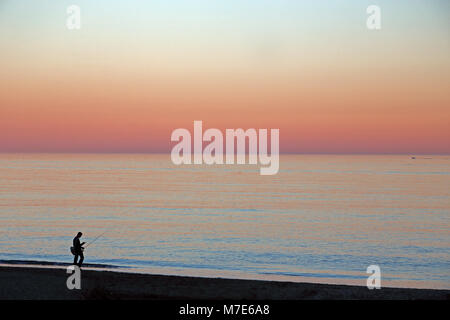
40	283
270	277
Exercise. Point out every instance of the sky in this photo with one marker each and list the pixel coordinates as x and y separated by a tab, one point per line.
137	70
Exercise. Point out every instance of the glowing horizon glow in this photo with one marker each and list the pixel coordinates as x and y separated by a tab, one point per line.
139	69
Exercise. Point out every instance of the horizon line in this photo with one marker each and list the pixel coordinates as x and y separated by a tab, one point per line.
168	153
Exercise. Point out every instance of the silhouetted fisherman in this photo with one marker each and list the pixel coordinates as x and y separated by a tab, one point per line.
78	249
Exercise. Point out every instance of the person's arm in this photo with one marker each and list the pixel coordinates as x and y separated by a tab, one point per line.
76	244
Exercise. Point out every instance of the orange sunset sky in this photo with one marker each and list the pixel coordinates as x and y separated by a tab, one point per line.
136	70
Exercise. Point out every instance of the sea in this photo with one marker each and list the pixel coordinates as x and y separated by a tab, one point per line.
322	218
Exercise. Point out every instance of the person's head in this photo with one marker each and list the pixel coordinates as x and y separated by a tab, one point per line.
79	235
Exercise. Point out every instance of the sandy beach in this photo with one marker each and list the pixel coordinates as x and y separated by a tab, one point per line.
50	283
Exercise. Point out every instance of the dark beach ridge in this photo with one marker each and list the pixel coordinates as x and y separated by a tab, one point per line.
44	282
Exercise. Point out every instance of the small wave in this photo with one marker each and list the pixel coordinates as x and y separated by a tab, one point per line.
54	263
315	275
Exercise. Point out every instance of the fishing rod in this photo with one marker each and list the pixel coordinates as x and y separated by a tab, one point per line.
108	229
95	239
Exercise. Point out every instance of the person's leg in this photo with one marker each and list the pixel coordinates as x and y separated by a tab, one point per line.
75	259
81	259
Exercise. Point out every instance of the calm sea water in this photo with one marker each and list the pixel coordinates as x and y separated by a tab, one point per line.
322	218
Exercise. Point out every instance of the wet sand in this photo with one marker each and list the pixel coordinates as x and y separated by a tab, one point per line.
50	283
